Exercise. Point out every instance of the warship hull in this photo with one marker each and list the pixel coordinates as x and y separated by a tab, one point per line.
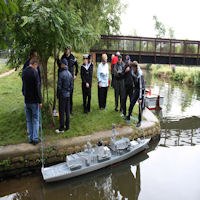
62	171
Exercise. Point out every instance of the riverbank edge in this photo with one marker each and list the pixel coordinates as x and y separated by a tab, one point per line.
20	158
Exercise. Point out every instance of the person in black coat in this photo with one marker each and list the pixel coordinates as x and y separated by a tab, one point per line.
86	76
33	99
128	82
64	88
138	91
72	61
33	54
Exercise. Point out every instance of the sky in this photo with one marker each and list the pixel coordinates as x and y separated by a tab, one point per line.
182	15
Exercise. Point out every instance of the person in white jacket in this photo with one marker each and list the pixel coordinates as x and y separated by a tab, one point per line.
103	78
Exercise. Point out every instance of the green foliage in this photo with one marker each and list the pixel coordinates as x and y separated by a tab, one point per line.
5	163
159	27
158	66
148	66
8	9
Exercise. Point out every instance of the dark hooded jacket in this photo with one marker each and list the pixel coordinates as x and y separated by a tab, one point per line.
65	83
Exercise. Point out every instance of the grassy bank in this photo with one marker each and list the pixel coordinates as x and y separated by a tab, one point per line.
12	116
184	74
4	68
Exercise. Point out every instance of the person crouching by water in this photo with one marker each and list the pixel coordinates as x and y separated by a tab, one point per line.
102	78
119	69
138	91
33	99
86	76
64	88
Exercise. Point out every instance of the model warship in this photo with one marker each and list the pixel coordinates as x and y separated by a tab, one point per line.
94	158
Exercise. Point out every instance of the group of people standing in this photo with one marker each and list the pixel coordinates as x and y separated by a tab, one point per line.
127	80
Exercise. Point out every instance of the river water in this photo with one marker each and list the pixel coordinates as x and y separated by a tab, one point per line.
169	170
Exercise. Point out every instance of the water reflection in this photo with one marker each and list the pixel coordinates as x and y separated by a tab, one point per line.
118	182
180	116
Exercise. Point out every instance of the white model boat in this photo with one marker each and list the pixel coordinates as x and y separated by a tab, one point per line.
92	159
154	101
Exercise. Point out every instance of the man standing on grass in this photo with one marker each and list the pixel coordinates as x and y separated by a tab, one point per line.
113	62
72	61
86	76
138	91
128	81
65	86
33	54
119	69
33	99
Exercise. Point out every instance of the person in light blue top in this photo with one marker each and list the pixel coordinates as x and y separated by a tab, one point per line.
103	79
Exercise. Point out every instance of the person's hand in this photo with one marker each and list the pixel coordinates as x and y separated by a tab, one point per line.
74	77
87	85
99	84
127	69
40	106
119	71
140	101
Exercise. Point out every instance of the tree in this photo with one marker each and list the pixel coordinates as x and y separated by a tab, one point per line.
49	26
159	27
171	33
7	10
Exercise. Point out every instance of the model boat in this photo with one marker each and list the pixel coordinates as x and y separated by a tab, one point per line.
95	158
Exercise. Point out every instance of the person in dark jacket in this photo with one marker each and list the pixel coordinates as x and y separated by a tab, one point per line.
138	92
86	76
33	99
72	61
64	88
128	82
119	69
33	54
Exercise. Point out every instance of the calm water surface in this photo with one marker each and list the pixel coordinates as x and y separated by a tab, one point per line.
169	170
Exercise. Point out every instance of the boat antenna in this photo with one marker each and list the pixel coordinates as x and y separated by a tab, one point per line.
41	139
114	131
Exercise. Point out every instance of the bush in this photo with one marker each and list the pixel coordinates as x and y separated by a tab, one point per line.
148	66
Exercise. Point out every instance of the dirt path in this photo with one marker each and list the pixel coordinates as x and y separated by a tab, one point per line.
7	73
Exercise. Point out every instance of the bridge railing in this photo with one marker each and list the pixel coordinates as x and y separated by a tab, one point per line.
148	46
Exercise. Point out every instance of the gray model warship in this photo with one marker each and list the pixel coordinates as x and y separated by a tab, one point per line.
94	158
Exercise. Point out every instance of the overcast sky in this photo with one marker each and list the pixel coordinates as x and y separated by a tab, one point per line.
182	15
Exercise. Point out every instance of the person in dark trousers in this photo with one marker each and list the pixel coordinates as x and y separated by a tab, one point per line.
72	61
119	69
128	82
138	92
86	76
33	99
33	54
113	62
64	88
103	79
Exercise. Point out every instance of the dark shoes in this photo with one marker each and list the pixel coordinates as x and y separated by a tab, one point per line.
138	124
127	117
116	110
34	142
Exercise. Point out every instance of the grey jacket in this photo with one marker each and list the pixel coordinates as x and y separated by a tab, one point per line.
121	68
65	83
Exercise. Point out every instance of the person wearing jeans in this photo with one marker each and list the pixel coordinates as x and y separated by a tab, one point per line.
33	99
102	78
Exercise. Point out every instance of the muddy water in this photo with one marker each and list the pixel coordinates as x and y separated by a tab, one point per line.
168	170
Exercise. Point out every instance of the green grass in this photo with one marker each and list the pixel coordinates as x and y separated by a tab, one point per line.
12	116
186	74
4	68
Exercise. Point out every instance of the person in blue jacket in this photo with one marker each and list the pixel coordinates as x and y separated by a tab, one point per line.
64	88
